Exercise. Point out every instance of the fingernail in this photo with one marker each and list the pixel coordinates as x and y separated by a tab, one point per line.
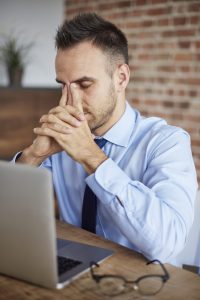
82	117
77	123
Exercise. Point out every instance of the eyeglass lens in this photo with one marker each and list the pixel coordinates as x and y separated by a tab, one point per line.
150	285
114	286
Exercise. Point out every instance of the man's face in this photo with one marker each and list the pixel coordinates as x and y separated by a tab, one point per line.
85	65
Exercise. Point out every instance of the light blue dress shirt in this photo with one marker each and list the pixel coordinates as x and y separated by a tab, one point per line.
146	188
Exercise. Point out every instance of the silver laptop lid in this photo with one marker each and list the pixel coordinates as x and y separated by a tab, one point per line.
27	224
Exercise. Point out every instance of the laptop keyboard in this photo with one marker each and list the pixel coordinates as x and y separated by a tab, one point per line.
65	264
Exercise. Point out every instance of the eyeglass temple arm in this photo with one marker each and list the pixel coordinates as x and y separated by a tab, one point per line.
93	263
162	266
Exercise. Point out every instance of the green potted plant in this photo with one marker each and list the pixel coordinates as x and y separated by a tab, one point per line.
13	56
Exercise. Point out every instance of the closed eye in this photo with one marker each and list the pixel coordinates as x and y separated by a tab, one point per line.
85	85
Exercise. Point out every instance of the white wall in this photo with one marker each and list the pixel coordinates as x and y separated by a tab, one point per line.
33	20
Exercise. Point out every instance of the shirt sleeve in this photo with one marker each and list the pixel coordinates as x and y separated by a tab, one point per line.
17	155
155	213
45	164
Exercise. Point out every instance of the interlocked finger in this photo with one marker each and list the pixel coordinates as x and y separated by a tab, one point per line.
58	128
61	118
70	110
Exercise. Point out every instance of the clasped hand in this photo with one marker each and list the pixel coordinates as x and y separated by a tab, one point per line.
67	126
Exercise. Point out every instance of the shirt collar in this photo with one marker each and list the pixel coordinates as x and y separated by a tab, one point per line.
121	131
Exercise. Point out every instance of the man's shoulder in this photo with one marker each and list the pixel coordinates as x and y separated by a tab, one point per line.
155	130
155	125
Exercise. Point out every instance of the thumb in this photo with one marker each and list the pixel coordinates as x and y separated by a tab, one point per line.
76	96
63	99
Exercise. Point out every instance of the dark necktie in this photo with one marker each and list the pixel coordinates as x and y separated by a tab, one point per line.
89	209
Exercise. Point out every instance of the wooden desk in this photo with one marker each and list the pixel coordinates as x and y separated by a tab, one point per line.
181	285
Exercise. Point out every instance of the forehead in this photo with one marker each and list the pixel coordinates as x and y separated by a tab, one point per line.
82	60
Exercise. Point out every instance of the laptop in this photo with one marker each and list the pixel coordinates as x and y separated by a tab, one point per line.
29	249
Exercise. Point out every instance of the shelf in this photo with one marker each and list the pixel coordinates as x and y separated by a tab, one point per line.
21	109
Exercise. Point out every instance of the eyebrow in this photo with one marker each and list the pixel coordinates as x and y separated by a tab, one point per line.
79	80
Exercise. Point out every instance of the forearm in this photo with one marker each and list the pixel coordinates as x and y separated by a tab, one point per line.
156	222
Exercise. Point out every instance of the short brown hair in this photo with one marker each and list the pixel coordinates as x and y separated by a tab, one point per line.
101	33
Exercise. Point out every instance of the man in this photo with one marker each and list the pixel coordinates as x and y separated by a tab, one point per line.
143	176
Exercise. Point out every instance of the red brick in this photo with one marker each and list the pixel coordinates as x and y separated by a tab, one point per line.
184	57
186	32
117	15
197	44
148	45
144	57
123	4
181	93
166	68
192	93
152	102
153	2
168	103
107	6
163	22
132	25
193	118
159	11
167	45
135	101
162	80
196	143
179	33
133	46
180	21
184	105
193	81
170	92
138	79
147	23
137	13
194	20
184	69
147	34
194	7
140	2
184	44
120	4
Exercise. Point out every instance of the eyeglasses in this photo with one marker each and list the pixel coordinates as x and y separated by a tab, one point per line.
112	285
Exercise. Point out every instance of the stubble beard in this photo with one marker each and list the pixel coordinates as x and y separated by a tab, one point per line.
103	115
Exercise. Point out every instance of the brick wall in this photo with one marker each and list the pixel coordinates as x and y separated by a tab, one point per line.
164	50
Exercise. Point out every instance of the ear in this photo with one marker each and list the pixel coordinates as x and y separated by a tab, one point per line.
122	77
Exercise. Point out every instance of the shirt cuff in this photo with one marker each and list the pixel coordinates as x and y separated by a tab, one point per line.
17	155
108	179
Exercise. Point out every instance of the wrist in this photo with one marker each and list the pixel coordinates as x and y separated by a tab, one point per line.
91	162
29	157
